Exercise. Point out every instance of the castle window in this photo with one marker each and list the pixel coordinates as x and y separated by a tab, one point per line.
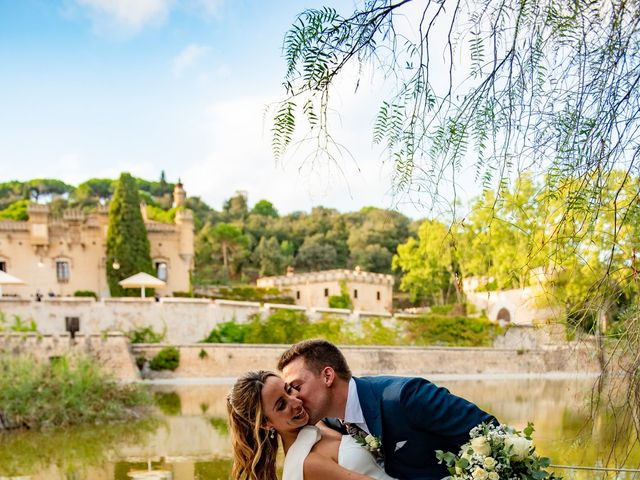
3	266
62	271
297	294
326	292
161	271
355	293
378	295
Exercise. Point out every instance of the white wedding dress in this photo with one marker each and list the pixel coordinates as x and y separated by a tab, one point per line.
351	456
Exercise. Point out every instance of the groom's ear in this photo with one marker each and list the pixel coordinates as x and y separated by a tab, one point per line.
328	375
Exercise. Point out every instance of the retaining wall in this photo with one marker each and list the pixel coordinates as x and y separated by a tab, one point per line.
207	360
112	351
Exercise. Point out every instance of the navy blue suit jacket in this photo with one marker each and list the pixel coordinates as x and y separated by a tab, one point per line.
423	416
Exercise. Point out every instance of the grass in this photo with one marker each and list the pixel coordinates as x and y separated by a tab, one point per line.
64	392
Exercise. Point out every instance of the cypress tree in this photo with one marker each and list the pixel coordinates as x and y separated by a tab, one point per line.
127	241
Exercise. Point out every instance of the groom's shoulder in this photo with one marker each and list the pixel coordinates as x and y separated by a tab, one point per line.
391	381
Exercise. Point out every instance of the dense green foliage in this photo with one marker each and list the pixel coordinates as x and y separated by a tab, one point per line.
287	326
167	358
145	335
16	211
63	392
237	244
85	293
127	241
505	243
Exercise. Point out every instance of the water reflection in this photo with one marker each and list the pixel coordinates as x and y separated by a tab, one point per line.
190	439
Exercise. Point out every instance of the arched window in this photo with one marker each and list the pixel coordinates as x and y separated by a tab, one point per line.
504	315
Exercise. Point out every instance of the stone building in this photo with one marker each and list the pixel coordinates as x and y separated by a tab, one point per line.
371	292
62	255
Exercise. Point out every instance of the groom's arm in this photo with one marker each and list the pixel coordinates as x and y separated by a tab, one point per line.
435	409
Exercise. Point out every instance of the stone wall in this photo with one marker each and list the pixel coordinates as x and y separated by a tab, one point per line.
112	351
185	320
208	360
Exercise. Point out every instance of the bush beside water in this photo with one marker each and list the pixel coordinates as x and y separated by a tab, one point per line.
166	359
64	392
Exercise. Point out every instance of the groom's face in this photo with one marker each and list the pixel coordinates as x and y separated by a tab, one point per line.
312	388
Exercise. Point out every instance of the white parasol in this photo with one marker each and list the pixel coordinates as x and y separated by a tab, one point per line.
142	280
6	279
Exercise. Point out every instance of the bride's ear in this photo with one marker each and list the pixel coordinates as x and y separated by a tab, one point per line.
328	376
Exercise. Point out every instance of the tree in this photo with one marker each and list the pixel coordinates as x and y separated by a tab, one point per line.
316	255
270	257
93	192
232	244
265	208
46	186
430	265
127	241
236	207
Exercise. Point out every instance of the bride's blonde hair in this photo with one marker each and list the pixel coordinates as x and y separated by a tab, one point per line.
254	451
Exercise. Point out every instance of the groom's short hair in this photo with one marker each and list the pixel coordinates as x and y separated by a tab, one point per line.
317	354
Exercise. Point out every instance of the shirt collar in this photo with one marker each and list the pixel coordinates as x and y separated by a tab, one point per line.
353	410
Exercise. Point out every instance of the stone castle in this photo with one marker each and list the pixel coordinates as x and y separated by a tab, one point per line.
59	256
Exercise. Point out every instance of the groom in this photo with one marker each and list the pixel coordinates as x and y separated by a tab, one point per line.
411	416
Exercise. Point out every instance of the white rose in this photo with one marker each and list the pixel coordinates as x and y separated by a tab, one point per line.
490	463
480	474
520	446
481	446
466	451
494	476
372	441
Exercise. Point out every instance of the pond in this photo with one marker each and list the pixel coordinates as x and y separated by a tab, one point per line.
189	440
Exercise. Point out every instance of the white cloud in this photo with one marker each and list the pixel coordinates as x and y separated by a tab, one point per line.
188	57
128	17
125	16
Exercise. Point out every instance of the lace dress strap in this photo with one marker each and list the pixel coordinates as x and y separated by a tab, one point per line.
294	461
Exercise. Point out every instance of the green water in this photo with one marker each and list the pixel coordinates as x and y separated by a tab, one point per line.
189	438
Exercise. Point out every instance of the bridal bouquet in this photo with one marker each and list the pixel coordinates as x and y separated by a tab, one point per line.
497	453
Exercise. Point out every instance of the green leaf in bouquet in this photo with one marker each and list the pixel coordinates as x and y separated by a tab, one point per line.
539	474
528	431
544	461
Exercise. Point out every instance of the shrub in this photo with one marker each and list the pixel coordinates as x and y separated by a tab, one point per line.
282	326
166	359
145	335
227	332
455	331
66	392
85	293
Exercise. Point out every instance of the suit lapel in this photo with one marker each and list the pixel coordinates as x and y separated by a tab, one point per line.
370	404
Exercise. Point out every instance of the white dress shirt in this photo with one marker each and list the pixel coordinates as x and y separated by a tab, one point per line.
353	410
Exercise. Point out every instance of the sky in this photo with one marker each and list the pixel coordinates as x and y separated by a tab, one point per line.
92	88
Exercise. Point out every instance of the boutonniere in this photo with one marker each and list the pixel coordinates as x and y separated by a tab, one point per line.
371	443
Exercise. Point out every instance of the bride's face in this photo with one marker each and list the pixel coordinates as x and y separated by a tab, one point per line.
283	410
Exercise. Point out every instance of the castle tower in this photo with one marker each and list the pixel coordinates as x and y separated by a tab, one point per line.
179	195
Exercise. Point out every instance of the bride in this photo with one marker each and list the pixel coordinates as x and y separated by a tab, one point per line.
262	408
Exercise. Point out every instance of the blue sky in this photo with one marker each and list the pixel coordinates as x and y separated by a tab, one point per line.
91	88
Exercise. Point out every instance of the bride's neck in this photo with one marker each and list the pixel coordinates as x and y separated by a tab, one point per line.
288	438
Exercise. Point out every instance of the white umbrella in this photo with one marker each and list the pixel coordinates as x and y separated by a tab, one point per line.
141	280
6	279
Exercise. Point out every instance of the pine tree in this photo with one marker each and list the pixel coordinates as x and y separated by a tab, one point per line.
127	242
